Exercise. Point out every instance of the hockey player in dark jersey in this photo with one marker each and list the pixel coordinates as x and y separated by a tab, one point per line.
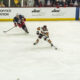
42	32
19	21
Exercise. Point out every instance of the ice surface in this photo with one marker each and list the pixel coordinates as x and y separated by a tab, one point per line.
19	58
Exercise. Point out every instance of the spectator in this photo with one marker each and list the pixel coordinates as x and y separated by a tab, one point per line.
67	2
41	3
15	3
57	4
36	3
5	2
1	4
49	2
76	3
64	3
79	3
53	3
71	3
30	3
61	3
25	3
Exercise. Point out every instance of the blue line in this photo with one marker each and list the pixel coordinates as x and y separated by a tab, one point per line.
77	13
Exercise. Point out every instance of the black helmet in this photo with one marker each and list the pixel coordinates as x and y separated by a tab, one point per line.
44	26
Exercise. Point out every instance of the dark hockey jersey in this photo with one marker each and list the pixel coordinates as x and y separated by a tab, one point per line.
19	21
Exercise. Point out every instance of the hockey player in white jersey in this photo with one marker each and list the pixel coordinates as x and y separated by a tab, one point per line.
42	32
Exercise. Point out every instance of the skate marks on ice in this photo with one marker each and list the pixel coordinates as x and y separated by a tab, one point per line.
43	48
16	35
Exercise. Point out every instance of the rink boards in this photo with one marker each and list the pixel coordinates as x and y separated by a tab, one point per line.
39	14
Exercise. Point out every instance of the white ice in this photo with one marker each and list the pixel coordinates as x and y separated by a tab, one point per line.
19	58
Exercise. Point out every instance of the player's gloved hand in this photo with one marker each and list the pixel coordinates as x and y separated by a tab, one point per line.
15	26
37	32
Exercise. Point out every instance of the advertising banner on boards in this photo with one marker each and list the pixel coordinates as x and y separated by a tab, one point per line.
39	13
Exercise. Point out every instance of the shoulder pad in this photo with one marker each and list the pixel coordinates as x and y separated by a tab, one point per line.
38	28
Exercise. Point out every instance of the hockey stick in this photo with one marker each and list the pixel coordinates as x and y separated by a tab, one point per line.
8	30
55	47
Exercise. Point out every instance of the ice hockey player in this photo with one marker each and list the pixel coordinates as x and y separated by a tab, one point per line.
19	21
42	32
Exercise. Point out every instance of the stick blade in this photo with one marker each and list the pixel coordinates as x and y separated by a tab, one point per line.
4	31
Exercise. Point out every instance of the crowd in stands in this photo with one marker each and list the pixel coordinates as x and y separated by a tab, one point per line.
39	3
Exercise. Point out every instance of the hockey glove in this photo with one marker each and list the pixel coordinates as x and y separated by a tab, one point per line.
37	32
